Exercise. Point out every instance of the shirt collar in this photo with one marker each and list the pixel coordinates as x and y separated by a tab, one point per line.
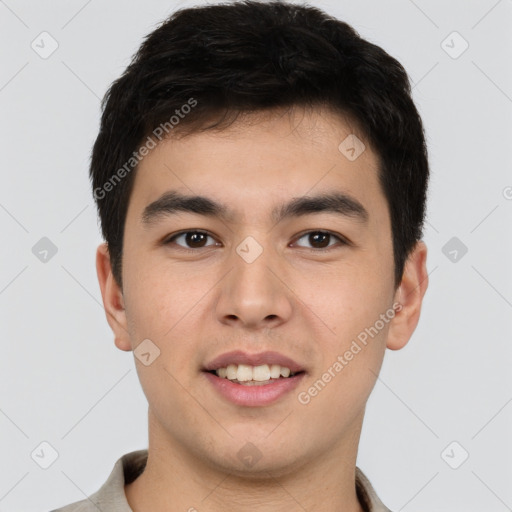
132	464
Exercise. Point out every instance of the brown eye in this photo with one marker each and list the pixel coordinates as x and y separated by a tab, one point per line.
321	239
191	239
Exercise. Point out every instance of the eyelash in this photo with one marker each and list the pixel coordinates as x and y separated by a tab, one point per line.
341	239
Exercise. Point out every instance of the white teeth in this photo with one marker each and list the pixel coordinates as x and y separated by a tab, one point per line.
246	373
285	372
275	371
231	371
261	372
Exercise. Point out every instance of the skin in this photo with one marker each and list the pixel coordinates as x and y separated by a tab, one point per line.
296	298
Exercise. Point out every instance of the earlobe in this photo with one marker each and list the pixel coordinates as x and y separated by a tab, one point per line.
409	297
113	300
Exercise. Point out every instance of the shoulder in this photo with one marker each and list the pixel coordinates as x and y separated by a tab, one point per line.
79	506
111	495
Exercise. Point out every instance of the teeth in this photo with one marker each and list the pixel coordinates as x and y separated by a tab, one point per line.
246	373
260	373
231	371
275	371
285	372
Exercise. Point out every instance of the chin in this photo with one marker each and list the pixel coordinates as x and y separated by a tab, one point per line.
259	458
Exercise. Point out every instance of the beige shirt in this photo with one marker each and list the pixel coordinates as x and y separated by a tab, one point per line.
111	496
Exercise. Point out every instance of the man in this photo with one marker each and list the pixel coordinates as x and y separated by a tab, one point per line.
260	175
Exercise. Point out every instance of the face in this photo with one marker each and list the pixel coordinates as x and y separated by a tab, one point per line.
289	251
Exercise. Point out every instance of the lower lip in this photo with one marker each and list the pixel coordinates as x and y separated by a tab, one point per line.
253	396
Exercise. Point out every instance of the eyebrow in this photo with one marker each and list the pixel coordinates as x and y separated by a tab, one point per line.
173	202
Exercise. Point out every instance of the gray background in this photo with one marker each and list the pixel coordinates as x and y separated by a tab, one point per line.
62	379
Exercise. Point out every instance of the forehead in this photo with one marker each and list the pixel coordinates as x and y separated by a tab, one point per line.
254	164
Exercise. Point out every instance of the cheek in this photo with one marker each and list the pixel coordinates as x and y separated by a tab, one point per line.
159	295
345	298
351	334
163	306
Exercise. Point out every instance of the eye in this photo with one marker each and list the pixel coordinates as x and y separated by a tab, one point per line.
322	239
191	239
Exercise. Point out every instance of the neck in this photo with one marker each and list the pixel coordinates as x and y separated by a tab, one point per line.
177	480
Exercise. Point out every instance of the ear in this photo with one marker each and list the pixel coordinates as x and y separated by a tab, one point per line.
409	296
113	300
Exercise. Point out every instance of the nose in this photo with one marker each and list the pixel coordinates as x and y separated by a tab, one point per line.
254	295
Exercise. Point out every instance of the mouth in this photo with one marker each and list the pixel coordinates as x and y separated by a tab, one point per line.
253	379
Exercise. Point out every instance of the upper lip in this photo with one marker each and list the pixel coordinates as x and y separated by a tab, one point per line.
241	357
